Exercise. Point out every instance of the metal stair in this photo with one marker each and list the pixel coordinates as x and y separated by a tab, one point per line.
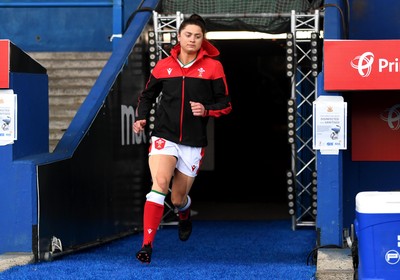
71	76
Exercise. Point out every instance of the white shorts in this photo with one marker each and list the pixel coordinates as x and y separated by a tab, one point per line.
189	158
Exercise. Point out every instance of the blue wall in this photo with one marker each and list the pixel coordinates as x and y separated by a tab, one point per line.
18	205
73	25
374	19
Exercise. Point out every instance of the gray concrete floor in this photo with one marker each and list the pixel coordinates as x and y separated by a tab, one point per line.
9	260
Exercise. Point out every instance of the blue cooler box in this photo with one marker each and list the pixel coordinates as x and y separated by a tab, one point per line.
377	227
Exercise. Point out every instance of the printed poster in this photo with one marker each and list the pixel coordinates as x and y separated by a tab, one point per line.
8	117
329	124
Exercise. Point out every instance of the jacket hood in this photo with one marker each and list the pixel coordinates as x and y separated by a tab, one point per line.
207	49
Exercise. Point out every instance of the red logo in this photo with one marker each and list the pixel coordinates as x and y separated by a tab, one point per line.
159	144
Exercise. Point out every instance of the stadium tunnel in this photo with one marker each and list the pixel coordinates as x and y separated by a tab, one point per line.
251	152
248	153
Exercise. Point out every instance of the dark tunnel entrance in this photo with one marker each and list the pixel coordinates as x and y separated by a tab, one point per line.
251	148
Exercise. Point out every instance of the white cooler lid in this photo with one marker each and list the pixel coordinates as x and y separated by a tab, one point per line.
378	202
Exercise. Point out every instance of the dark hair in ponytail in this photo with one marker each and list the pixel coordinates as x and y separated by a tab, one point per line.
193	19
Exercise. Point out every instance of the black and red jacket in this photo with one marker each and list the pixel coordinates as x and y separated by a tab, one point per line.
204	81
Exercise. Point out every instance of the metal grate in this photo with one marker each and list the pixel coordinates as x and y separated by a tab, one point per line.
303	65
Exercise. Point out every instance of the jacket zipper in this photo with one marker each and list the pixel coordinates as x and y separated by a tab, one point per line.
182	109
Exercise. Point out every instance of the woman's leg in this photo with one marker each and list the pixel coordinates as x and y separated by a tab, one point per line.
181	186
162	169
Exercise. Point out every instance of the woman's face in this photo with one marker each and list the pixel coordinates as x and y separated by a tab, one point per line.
190	38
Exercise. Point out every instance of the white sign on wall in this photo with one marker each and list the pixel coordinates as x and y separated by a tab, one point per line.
8	117
329	124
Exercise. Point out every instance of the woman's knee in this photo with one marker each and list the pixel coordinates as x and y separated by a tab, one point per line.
163	183
178	200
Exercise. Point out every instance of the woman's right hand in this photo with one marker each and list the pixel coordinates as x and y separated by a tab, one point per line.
139	126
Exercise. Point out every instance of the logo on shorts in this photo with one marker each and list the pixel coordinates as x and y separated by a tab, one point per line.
193	167
159	144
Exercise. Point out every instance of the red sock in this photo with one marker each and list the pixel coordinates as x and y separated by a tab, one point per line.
153	213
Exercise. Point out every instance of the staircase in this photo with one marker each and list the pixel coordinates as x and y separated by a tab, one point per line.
71	76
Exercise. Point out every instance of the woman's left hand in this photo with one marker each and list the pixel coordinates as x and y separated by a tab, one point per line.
197	108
